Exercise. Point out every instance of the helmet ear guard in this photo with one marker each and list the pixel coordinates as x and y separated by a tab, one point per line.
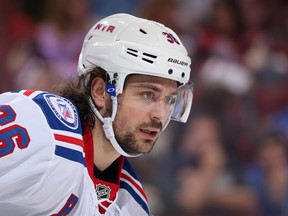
122	45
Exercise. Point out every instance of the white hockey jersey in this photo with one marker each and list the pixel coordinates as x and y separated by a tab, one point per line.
44	168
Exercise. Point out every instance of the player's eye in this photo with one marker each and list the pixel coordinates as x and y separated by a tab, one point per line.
170	100
149	96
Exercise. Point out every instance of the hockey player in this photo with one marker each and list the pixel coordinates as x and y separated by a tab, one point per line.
66	153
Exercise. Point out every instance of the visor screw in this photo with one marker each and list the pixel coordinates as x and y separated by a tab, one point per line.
115	75
113	82
183	74
170	71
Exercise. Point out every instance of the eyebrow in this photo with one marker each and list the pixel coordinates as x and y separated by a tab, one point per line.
150	86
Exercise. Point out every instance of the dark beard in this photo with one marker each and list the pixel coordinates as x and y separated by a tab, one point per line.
129	144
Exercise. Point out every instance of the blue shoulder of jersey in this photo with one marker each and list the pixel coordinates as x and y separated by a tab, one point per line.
61	113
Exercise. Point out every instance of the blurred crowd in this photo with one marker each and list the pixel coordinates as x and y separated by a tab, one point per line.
231	156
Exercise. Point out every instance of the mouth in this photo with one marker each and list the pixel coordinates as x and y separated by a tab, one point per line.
149	133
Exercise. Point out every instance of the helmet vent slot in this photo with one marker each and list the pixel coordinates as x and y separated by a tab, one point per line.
144	56
132	52
149	55
148	60
142	31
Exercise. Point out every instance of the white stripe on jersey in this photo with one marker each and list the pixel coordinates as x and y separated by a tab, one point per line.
69	140
134	183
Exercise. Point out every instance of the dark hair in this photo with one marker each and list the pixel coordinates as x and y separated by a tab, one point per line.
78	91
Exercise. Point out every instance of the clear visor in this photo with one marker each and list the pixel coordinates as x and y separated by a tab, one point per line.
175	106
183	103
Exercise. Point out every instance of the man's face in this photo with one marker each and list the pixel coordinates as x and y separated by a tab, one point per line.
143	110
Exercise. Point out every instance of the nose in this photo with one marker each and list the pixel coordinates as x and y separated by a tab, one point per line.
160	112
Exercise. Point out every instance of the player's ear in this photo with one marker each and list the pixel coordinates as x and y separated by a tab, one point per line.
98	92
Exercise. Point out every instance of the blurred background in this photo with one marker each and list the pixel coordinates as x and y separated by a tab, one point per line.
231	157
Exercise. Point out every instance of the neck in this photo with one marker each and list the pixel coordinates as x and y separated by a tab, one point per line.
104	153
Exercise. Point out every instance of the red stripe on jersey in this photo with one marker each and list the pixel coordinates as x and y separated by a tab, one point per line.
29	92
139	188
68	139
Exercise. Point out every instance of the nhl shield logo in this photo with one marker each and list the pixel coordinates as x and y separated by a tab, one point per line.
63	109
103	191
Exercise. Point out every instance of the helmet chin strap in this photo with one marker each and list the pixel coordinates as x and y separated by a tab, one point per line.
107	126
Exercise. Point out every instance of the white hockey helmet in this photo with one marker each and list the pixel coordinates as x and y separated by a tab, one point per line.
123	44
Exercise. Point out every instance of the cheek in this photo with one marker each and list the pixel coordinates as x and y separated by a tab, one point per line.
127	116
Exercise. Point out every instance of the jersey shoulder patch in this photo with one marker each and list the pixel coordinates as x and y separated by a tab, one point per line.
60	112
63	109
